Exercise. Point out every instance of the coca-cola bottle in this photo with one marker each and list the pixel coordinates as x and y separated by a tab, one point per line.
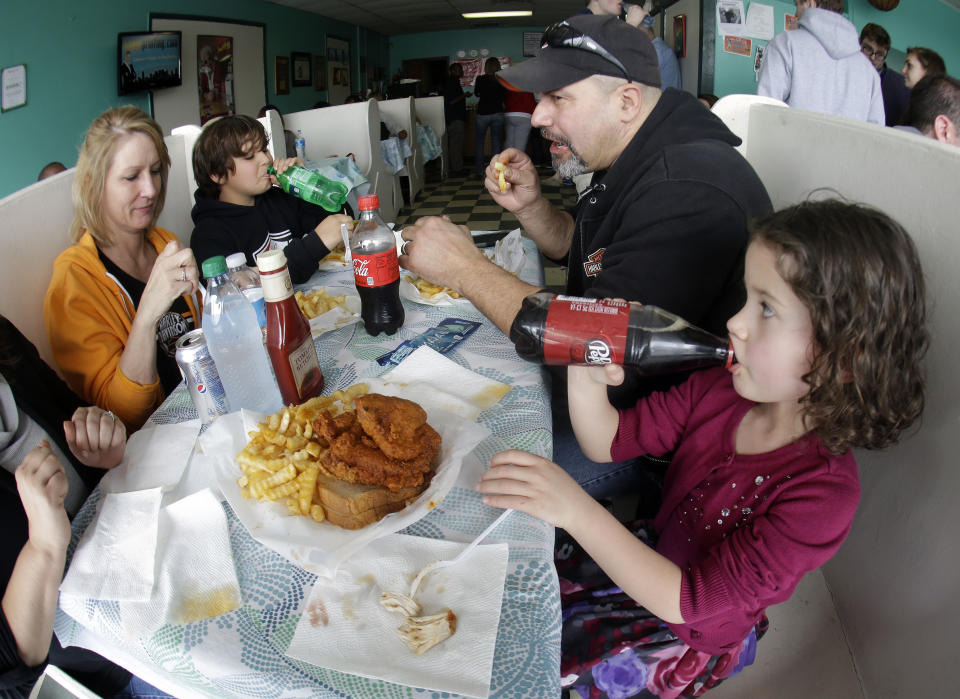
376	269
563	330
289	340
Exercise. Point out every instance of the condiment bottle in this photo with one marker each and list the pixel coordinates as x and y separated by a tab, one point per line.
289	340
562	330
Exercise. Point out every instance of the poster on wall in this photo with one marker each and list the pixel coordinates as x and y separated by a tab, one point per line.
215	76
473	68
738	44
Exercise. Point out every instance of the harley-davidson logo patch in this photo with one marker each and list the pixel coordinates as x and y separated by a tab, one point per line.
593	264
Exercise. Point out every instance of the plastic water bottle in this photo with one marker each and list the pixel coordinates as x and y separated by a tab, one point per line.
248	282
311	186
235	341
301	145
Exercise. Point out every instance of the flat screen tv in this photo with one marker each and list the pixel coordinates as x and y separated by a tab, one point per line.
147	61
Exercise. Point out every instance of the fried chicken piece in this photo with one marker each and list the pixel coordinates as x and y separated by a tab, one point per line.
395	424
355	457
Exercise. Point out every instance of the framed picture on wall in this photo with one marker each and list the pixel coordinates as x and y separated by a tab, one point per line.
281	75
301	69
319	73
680	35
531	43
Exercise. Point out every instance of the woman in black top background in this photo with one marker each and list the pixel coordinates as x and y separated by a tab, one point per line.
491	95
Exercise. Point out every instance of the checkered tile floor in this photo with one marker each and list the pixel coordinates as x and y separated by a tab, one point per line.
466	201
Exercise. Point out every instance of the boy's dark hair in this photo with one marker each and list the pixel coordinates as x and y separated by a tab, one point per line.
932	96
929	59
858	273
832	5
220	142
876	34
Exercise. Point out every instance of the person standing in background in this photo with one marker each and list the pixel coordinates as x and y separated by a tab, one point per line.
921	62
455	111
875	45
669	65
519	106
490	95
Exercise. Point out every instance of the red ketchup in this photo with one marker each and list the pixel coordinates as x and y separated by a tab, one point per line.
289	340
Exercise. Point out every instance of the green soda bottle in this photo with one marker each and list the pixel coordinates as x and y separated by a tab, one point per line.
312	187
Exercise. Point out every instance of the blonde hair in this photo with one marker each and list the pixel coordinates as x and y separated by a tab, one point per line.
96	155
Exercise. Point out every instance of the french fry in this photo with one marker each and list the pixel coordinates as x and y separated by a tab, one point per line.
318	302
428	290
282	458
502	178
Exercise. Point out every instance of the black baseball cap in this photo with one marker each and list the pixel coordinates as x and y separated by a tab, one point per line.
582	46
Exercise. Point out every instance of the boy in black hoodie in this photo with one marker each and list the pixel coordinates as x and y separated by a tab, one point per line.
239	210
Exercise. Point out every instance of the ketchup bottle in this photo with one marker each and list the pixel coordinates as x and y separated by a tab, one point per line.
289	340
563	330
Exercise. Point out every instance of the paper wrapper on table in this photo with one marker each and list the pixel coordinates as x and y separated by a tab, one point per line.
321	547
155	457
426	375
345	628
508	253
336	317
193	566
115	558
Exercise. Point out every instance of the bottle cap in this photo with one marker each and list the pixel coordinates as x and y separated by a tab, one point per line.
271	260
369	202
214	266
237	259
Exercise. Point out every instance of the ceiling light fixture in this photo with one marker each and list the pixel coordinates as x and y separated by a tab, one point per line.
497	13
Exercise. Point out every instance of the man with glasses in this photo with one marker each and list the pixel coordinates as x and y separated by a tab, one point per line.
664	221
875	44
819	66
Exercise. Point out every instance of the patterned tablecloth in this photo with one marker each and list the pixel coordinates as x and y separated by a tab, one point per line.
241	653
429	143
395	152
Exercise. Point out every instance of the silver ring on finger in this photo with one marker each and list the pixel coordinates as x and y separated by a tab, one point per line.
403	248
110	414
183	274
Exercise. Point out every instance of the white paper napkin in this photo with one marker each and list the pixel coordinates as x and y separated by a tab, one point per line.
195	573
427	375
155	457
114	559
344	627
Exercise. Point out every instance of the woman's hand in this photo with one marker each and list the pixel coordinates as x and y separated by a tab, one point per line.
536	486
42	484
328	229
174	274
96	437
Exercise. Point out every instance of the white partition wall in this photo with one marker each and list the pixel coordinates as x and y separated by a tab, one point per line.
895	580
430	111
351	128
400	114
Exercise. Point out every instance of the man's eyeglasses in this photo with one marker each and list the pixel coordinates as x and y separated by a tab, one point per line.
563	35
872	53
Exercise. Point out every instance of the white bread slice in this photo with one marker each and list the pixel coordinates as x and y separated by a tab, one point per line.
353	506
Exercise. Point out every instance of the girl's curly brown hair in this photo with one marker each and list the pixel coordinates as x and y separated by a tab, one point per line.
858	273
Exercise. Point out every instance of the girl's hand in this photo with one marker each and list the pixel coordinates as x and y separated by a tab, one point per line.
96	437
42	485
607	375
328	230
282	164
536	486
174	274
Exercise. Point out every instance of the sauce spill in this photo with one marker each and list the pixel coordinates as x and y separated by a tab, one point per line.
317	613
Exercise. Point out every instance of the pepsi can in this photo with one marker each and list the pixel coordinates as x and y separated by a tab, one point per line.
201	376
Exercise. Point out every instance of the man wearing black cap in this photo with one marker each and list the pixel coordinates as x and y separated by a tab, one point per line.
664	223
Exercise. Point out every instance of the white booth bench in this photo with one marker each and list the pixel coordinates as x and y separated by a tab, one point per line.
351	128
430	112
402	115
895	566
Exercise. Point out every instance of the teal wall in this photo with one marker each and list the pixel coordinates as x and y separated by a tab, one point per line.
925	23
69	49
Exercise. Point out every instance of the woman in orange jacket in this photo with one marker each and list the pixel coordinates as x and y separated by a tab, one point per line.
126	291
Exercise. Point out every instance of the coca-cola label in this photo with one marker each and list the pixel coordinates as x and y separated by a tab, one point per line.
378	269
585	331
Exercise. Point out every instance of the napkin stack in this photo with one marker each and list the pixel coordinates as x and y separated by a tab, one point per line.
164	558
345	628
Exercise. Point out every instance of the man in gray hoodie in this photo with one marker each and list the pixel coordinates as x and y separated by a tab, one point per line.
819	66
